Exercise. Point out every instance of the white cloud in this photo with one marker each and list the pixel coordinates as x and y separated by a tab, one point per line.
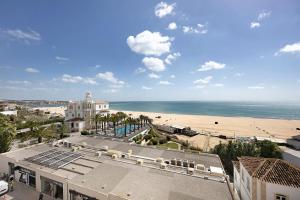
171	58
146	88
97	66
139	70
31	70
71	79
260	18
263	15
19	82
254	25
238	74
154	64
19	35
110	91
210	65
154	76
218	85
149	43
162	9
256	87
172	76
289	48
109	76
172	26
62	58
199	29
78	79
203	81
164	83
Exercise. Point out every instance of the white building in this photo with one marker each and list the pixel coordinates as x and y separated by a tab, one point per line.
79	114
266	178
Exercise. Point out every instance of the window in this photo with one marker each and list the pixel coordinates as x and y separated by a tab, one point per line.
280	197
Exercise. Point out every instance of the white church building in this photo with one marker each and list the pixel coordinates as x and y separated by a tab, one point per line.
79	114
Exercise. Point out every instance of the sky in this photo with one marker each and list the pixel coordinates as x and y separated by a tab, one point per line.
208	50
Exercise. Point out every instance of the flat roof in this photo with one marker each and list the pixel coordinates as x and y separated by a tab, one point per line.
124	177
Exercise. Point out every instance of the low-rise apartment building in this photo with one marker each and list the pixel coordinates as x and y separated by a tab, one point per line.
266	179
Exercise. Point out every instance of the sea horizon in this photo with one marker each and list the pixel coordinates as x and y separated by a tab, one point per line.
267	110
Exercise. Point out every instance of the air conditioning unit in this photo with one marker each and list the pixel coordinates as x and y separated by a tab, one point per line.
139	161
200	167
190	171
130	151
179	163
173	161
192	164
159	160
163	165
98	153
185	163
105	148
74	149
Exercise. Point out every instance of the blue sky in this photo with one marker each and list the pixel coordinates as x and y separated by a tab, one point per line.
150	50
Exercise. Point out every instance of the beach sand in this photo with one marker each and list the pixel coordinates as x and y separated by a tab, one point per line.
229	126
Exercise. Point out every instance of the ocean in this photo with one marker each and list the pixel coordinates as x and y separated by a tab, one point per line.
228	109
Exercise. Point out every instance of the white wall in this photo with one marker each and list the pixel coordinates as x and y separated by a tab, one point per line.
245	193
291	158
291	192
236	180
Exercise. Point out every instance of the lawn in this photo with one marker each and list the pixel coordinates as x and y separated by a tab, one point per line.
171	145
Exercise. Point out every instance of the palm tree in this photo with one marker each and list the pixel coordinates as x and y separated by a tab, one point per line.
122	116
125	122
130	122
142	118
41	132
96	119
114	119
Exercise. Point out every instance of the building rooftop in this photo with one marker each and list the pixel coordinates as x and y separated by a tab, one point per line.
272	170
97	170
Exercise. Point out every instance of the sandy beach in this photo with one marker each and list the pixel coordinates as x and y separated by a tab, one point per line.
229	126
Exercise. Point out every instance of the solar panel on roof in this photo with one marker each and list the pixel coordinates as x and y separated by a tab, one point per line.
54	158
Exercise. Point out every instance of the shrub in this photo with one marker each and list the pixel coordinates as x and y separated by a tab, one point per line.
147	137
162	140
154	141
150	143
168	138
85	133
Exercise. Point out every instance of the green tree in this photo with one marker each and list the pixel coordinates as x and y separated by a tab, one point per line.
7	133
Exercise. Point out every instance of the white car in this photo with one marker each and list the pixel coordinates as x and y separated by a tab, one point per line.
3	188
